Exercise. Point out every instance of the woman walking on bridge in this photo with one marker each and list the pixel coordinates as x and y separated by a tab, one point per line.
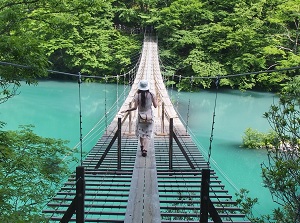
143	101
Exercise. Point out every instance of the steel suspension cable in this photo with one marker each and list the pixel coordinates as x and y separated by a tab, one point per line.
108	116
105	119
189	193
244	74
189	103
203	77
124	86
63	201
105	103
110	164
63	73
172	86
177	102
222	205
80	116
213	162
117	92
213	121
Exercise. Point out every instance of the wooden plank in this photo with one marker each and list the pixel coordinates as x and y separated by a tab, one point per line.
134	211
143	202
152	203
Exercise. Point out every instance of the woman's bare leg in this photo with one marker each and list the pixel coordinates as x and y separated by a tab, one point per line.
144	146
143	143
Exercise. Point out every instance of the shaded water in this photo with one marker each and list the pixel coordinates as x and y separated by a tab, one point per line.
53	107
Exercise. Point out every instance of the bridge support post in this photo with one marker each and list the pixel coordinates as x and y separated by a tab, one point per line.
119	143
171	136
204	195
163	118
80	193
206	204
117	135
171	144
130	119
77	204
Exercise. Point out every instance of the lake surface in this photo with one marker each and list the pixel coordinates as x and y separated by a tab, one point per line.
54	108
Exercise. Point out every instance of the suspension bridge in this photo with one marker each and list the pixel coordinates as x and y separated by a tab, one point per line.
173	183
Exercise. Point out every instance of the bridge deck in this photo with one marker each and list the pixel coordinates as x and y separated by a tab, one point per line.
145	189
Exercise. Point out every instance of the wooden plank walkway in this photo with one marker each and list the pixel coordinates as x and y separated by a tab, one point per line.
145	189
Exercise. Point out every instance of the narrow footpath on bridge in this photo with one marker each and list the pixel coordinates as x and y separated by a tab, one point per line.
118	184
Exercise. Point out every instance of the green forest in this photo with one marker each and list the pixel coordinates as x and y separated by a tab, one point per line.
197	38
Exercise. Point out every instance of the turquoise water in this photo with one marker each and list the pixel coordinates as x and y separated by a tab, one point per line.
235	111
53	107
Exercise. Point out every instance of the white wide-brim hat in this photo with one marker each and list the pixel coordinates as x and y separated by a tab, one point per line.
143	85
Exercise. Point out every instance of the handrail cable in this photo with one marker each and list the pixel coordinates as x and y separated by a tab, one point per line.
69	190
70	154
92	201
205	154
213	162
187	148
62	201
109	115
220	202
66	73
79	75
189	193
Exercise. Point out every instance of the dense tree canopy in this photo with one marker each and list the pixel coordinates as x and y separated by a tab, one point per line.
229	37
197	38
31	169
69	36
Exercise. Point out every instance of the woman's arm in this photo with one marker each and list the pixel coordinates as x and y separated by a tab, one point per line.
133	108
154	101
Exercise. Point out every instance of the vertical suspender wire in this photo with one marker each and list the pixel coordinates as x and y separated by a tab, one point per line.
167	84
177	102
172	86
105	104
80	116
130	78
213	120
189	104
133	75
117	93
124	86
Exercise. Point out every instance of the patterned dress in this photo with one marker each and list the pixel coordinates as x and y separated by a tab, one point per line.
144	129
